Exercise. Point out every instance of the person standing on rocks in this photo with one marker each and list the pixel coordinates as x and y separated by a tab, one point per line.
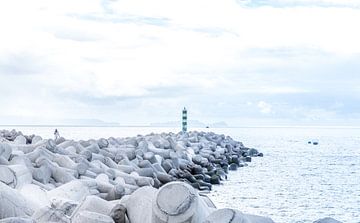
57	135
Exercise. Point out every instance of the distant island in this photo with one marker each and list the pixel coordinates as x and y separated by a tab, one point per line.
56	122
15	121
88	122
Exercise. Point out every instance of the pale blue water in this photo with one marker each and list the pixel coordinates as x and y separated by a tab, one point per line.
293	182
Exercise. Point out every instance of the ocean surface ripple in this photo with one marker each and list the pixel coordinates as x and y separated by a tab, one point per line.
296	181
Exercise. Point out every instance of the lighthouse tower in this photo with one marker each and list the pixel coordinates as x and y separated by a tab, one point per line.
184	120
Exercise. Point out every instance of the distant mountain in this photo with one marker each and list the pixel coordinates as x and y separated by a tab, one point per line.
219	125
10	120
165	124
191	123
87	122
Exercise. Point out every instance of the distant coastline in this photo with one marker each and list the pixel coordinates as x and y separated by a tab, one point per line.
193	123
157	125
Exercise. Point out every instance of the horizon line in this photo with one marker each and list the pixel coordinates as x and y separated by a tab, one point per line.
196	127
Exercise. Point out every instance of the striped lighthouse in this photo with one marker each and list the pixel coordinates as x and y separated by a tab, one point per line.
184	120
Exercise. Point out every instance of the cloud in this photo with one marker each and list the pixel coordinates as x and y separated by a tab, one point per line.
294	3
145	59
22	63
264	107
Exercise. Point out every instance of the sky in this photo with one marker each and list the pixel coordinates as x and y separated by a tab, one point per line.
245	62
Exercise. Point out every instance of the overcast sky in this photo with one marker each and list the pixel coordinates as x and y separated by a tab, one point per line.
139	61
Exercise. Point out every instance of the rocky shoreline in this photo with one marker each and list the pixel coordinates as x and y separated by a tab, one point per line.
152	178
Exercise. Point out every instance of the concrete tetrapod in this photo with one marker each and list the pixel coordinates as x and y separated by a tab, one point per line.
178	202
111	168
35	196
17	220
74	190
140	202
60	211
234	216
91	217
94	204
20	175
327	220
12	204
5	150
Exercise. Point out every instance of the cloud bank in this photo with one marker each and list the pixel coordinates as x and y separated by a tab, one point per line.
137	62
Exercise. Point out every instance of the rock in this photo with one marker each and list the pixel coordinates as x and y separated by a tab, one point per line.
59	211
234	159
233	166
60	140
74	190
103	143
42	174
91	217
5	150
66	206
185	204
150	156
126	169
94	148
118	213
95	204
17	220
3	161
327	220
140	201
215	179
7	176
12	203
208	202
226	215
158	168
117	192
164	178
258	219
252	152
166	164
59	174
48	214
22	175
36	139
197	170
20	139
50	173
35	196
145	172
234	216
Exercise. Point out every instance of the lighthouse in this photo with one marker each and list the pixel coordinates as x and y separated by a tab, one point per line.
184	120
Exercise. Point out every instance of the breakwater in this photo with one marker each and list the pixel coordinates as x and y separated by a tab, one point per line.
151	178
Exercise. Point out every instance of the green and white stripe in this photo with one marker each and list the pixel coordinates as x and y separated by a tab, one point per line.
184	120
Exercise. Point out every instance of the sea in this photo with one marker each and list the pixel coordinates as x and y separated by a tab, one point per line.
295	181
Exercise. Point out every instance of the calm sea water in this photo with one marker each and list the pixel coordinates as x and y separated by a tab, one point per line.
293	182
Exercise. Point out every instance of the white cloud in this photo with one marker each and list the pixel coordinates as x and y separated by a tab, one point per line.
264	107
289	3
131	49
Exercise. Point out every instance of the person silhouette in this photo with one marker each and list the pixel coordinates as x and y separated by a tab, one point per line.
57	135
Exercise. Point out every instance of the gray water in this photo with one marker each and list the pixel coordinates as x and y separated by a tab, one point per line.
293	182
